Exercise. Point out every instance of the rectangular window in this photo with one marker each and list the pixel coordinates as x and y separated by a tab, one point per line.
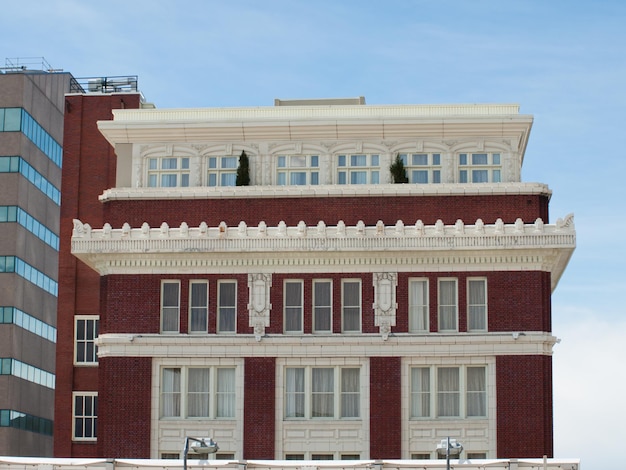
227	306
477	305
418	306
448	392
448	305
86	332
322	392
351	306
476	392
170	306
479	168
298	170
85	414
358	169
197	392
168	172
222	171
420	392
198	306
293	305
322	306
422	168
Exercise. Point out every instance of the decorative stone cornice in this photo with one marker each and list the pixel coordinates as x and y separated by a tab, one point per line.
321	248
362	345
273	192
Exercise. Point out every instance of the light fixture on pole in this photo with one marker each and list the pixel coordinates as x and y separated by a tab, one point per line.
203	446
449	447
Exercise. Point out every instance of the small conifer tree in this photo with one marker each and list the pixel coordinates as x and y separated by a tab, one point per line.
398	172
243	170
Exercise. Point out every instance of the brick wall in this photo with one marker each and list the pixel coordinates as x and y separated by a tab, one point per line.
329	209
259	408
124	407
524	415
88	168
385	408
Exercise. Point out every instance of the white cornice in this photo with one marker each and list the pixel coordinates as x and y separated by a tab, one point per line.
363	345
378	190
401	248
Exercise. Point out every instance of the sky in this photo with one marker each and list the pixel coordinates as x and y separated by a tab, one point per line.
562	61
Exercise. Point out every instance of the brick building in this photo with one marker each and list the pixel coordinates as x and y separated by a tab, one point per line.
320	312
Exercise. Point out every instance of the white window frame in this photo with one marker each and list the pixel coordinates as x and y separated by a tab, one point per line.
431	168
344	306
296	310
348	167
90	358
181	171
214	394
469	165
464	392
220	312
173	308
93	417
414	310
202	309
474	305
306	393
288	166
327	309
218	171
441	306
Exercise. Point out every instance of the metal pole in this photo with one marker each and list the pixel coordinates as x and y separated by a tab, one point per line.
447	455
185	451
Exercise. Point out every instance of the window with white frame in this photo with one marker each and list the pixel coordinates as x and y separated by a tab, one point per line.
85	414
293	306
322	306
422	168
351	306
297	170
476	304
358	169
448	392
418	306
198	306
227	306
480	168
322	392
222	171
197	392
85	334
168	172
170	306
448	304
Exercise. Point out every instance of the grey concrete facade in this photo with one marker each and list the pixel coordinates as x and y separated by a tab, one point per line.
27	352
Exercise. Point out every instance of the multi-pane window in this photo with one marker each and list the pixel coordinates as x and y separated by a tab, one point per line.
351	306
480	168
168	172
422	168
222	171
358	169
170	306
322	306
226	306
298	170
418	305
85	414
448	305
322	392
198	306
476	304
293	300
448	392
86	332
198	392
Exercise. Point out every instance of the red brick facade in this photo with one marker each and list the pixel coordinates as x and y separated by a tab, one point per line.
385	409
259	408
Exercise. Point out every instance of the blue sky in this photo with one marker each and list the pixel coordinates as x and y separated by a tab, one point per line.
563	61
